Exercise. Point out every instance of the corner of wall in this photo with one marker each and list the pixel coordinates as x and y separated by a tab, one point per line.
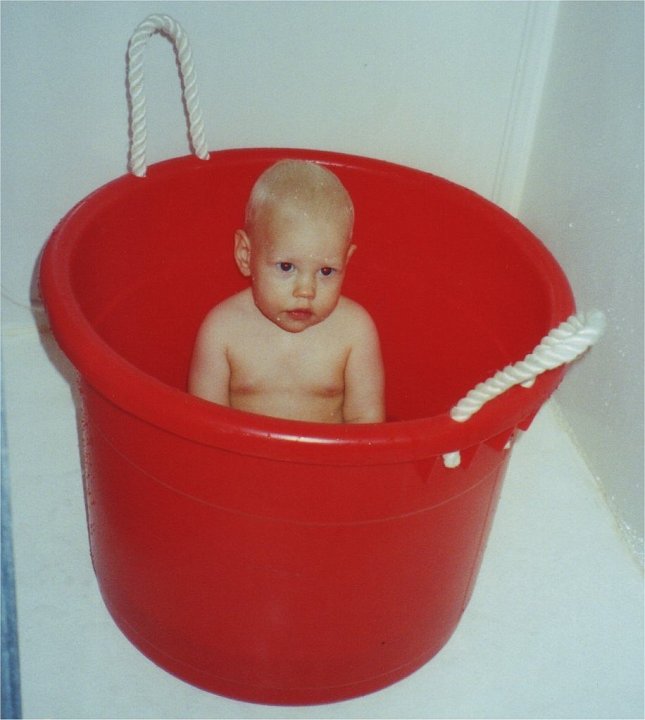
523	108
583	197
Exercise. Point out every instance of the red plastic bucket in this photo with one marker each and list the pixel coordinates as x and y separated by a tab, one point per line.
279	561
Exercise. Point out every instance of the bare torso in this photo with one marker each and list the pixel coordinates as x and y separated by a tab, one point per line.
269	371
297	376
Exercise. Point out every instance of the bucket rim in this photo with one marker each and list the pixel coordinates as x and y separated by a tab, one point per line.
179	413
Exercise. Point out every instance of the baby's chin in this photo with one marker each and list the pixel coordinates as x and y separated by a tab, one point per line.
295	321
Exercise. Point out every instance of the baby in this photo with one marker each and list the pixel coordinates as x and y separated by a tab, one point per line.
291	346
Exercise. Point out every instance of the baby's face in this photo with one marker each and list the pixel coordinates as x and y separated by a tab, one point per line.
297	267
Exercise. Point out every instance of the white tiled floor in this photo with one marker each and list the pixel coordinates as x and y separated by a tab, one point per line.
554	629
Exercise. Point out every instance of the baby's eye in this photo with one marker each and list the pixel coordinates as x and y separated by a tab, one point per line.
285	266
327	271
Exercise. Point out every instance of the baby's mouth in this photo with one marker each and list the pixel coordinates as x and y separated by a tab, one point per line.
302	314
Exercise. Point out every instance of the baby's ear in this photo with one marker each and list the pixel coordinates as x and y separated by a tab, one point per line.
242	252
351	251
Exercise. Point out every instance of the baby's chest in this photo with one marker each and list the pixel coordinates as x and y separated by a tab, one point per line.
308	367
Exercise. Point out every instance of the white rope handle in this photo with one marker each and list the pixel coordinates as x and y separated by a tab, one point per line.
562	345
136	48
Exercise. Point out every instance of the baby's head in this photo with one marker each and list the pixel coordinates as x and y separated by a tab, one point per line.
298	188
296	242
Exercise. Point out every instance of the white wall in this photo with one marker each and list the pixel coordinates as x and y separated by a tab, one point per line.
584	198
448	87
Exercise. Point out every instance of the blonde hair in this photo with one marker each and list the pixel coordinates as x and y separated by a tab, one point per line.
299	187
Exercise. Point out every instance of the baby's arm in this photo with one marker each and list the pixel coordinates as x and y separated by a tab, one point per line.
210	373
364	375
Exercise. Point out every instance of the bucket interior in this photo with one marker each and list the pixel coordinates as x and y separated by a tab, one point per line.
457	287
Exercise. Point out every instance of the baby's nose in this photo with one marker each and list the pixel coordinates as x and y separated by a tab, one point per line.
305	287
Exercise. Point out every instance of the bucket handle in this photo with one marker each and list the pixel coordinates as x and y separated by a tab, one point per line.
165	25
562	345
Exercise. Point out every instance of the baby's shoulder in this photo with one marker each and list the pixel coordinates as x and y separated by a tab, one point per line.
230	312
353	316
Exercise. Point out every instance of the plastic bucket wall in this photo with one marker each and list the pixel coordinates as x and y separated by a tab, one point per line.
279	561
